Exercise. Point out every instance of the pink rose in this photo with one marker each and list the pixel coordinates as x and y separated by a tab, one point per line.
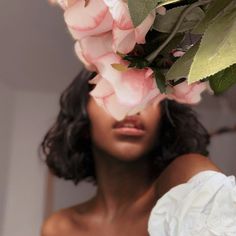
124	33
91	19
105	95
189	94
125	92
130	85
91	49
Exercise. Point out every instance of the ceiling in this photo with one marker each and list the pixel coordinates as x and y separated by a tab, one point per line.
36	51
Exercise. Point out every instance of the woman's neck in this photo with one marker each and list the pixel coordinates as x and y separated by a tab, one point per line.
123	185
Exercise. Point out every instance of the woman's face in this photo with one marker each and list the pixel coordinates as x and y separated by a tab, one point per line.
128	139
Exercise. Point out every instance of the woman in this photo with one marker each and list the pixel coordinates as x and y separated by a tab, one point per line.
156	157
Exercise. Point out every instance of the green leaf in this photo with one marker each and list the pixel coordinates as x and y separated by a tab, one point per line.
216	8
160	80
180	69
223	80
217	50
139	9
167	22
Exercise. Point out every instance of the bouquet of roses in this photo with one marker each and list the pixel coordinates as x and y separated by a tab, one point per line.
145	50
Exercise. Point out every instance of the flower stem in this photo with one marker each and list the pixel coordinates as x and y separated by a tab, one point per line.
151	57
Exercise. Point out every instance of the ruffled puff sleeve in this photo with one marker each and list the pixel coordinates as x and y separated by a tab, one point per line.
204	206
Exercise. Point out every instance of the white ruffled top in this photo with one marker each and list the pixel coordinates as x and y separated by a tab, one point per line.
203	206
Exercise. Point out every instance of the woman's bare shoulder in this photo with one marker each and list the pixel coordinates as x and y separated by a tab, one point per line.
67	221
58	223
188	165
181	169
191	164
74	220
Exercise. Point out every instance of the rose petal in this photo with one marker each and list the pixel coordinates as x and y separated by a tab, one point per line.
120	13
144	27
123	40
126	39
102	89
92	19
79	53
189	94
105	96
153	96
89	49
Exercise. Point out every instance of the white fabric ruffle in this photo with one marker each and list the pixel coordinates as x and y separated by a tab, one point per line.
204	206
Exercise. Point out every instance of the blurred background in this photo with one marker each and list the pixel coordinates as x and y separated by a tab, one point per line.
37	62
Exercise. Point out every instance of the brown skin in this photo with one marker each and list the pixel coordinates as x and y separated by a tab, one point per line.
126	191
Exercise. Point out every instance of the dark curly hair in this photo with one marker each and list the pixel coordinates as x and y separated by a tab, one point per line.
67	145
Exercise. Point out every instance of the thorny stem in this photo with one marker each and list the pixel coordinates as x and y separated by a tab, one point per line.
154	54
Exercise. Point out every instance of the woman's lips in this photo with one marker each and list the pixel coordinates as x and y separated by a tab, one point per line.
131	126
129	131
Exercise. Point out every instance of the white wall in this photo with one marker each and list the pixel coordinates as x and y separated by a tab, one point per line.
6	120
215	113
37	61
25	190
65	193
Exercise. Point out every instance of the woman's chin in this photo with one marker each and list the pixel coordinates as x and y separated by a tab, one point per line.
129	152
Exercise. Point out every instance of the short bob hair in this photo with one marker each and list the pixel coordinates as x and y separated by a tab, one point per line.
67	144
